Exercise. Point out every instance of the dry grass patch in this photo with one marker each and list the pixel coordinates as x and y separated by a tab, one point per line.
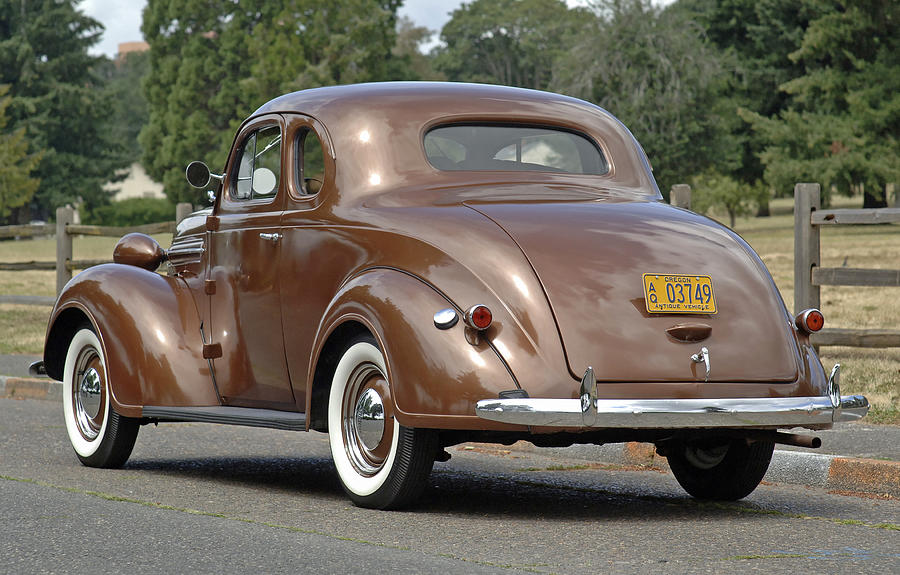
22	328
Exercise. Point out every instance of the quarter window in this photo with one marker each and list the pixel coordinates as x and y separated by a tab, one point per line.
312	162
259	166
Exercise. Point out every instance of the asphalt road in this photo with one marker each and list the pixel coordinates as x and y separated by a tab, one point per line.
213	499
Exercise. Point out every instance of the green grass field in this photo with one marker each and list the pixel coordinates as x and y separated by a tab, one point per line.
873	372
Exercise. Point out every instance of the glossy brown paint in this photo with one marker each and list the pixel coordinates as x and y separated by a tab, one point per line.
389	240
139	250
435	380
245	309
150	331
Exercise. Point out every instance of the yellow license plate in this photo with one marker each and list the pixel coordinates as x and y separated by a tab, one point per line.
675	293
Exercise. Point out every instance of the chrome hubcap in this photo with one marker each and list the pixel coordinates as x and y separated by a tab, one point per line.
369	419
87	396
365	423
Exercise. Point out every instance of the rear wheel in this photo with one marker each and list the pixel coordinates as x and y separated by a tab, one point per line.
381	464
723	469
100	436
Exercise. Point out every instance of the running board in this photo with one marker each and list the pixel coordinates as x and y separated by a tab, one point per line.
250	417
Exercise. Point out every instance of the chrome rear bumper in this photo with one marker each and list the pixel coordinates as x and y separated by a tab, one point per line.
589	411
783	412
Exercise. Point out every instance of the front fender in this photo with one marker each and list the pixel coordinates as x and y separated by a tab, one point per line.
150	331
436	376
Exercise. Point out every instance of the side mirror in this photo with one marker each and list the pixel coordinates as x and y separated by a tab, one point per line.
198	175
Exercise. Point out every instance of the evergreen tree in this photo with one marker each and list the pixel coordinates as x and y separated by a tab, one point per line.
843	119
57	98
756	37
16	164
124	78
212	62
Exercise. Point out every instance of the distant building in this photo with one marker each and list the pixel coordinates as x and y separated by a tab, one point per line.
137	184
128	47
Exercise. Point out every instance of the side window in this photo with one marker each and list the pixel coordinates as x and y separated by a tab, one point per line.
311	162
259	166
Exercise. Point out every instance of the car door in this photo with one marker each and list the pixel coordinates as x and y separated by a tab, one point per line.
243	283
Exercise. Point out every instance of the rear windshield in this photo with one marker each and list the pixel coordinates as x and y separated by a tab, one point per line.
513	148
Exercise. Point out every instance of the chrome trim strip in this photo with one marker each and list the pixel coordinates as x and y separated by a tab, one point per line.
186	251
783	412
187	247
251	417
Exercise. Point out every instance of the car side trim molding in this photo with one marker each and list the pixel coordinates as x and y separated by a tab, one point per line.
246	416
781	412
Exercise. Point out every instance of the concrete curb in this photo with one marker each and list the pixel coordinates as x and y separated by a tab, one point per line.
833	472
30	388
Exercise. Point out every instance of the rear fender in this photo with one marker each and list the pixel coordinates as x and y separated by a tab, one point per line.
150	331
436	376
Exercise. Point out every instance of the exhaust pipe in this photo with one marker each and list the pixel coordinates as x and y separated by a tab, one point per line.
795	439
798	440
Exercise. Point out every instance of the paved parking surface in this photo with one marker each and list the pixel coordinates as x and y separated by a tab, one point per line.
227	499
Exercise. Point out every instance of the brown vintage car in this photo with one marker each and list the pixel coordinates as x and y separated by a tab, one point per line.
409	266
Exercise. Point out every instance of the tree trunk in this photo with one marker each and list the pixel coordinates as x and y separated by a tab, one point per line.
873	200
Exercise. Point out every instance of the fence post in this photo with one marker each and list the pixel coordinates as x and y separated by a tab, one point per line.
64	216
680	196
182	210
890	194
807	198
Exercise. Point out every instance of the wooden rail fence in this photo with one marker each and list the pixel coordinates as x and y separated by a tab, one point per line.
809	275
65	230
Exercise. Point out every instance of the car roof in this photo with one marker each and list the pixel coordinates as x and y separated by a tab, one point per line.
396	115
428	97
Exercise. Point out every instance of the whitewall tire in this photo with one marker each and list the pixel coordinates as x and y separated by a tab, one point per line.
99	435
381	464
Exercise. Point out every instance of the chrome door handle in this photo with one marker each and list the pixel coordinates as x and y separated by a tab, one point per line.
271	237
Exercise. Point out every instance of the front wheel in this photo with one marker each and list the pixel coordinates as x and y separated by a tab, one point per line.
720	469
381	464
101	437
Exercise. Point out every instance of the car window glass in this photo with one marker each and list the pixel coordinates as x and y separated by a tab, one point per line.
312	159
552	150
438	147
245	170
259	166
513	148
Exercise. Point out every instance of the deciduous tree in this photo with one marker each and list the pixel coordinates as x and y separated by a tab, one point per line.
212	62
658	73
509	42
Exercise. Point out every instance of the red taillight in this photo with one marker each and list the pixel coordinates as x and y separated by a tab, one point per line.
810	320
479	317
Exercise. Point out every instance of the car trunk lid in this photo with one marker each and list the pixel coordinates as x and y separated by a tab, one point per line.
590	256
